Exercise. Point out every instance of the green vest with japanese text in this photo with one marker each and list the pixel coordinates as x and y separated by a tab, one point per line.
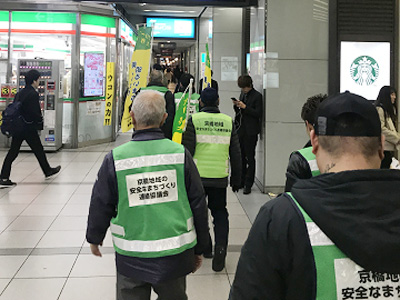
153	218
161	89
213	138
310	158
338	277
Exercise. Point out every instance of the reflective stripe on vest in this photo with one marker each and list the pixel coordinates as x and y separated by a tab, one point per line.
310	158
154	218
213	136
338	277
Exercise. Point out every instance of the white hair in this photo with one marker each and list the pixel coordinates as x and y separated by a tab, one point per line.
156	76
149	108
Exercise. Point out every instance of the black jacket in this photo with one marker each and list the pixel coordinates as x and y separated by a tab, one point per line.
170	109
298	168
248	120
358	210
30	108
235	159
103	206
214	85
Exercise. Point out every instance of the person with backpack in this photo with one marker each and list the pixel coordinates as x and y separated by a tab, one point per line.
32	115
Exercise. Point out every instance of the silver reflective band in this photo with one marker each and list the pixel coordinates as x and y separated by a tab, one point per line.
190	224
317	236
313	165
117	229
149	161
213	139
155	246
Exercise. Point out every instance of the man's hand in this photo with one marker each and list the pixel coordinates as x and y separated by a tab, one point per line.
235	188
95	249
198	259
240	104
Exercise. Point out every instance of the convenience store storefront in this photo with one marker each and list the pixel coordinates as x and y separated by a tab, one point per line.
84	39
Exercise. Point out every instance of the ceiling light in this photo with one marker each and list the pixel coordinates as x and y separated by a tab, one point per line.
142	4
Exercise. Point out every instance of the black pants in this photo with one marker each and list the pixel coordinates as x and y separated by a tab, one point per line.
31	136
248	150
132	289
387	159
217	204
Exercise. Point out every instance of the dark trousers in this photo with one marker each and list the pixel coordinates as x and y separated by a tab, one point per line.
33	140
387	159
248	150
217	204
131	289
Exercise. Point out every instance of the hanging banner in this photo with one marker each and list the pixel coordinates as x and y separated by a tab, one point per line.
109	93
138	73
207	71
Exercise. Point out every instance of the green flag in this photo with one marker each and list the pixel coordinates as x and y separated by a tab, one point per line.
180	118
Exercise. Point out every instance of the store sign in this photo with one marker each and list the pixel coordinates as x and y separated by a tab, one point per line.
172	28
109	93
8	90
364	67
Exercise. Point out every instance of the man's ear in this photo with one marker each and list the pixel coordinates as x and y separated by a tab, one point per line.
201	103
314	141
133	118
163	119
309	127
382	147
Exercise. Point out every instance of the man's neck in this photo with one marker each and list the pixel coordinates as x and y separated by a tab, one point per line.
349	163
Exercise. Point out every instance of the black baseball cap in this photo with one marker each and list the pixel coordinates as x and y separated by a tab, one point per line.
350	104
209	96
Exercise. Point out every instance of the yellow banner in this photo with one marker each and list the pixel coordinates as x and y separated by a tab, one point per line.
109	93
207	71
138	73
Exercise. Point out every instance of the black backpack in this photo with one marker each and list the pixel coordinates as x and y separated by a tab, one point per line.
13	122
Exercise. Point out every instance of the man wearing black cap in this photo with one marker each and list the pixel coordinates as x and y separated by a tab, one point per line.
335	236
212	140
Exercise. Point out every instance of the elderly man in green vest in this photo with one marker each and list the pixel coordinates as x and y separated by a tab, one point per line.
156	84
336	235
212	140
149	192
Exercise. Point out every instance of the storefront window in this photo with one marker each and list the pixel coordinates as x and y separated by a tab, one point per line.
97	48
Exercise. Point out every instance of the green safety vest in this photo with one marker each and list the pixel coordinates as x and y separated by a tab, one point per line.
310	158
338	277
161	89
194	100
154	218
213	138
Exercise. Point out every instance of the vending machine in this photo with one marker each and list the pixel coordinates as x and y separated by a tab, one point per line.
50	97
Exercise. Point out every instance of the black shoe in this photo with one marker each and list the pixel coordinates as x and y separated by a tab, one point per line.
208	255
247	190
53	171
7	182
218	262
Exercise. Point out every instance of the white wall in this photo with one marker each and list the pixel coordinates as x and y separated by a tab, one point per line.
295	67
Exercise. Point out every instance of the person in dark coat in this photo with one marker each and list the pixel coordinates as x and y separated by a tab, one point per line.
335	236
155	83
302	163
214	83
30	111
249	112
151	192
212	139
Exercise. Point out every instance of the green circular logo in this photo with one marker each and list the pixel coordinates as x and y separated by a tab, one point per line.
364	70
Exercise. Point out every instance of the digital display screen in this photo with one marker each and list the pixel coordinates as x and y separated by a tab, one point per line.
172	28
94	74
364	67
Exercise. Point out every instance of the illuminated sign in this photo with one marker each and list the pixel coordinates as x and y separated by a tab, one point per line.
94	74
364	67
172	28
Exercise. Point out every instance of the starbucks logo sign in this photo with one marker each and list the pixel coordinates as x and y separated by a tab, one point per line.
364	70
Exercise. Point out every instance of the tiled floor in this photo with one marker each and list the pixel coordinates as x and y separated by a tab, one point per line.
43	252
